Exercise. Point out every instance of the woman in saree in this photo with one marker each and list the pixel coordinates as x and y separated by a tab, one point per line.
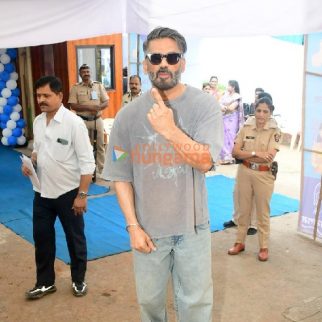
233	119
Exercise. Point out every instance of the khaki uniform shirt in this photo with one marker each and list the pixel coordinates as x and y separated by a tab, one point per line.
92	94
128	97
252	139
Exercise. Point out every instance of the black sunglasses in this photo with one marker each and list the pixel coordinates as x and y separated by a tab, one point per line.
172	58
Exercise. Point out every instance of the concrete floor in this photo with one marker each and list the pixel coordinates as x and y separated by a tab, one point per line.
286	288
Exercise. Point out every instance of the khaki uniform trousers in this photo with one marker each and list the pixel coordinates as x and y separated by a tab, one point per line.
258	185
100	155
253	216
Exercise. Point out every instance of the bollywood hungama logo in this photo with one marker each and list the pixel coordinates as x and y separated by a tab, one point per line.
119	153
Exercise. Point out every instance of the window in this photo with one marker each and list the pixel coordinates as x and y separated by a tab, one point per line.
101	61
134	56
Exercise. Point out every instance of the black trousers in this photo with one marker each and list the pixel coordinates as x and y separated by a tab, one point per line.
45	211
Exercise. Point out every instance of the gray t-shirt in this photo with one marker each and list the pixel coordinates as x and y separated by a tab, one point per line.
170	196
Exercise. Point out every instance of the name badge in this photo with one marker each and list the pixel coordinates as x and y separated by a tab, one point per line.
62	141
94	95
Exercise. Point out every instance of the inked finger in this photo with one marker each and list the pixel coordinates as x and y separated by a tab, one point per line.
156	96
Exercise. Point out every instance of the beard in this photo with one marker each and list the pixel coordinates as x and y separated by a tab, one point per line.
165	84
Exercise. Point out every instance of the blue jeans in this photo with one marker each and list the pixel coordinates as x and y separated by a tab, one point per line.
188	259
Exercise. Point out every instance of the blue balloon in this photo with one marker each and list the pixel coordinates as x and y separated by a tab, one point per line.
3	125
2	85
4	118
9	67
12	140
12	100
7	109
4	76
21	123
15	92
17	132
12	52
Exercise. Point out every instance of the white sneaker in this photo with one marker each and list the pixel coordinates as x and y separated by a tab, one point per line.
39	291
79	289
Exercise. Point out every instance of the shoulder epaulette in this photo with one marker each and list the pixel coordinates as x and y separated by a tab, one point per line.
250	121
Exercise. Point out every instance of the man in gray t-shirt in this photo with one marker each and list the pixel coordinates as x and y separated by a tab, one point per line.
160	146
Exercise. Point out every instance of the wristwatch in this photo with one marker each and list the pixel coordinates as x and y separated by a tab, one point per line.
253	153
82	194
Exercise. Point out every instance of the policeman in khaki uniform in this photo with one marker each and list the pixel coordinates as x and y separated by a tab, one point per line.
135	90
89	98
256	145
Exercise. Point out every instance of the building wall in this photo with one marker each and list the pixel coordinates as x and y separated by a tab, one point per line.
50	60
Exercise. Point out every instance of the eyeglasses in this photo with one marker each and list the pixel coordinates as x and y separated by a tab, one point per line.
172	58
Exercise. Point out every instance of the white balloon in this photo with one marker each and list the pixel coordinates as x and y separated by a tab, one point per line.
5	59
6	132
14	75
17	108
3	101
1	68
11	124
3	50
4	140
6	92
21	140
15	116
11	84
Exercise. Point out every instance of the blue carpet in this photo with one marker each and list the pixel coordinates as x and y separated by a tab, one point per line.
95	189
220	199
105	224
104	228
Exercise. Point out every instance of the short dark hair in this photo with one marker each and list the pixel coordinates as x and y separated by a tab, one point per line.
163	32
267	101
259	89
54	83
265	94
135	76
212	78
84	66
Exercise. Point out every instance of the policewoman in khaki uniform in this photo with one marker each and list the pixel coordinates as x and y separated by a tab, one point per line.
256	144
89	98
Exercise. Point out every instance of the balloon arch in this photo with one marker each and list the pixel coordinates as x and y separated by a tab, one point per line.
11	121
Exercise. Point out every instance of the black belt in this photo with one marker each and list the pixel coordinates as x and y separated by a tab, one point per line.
89	118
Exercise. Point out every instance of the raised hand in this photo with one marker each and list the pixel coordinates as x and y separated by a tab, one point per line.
160	116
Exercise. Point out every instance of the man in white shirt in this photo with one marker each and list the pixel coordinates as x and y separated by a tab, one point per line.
65	163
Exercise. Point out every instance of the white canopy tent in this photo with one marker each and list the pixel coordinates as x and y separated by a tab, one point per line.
38	22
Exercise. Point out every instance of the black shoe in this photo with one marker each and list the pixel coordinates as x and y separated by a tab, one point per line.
79	289
251	231
39	291
229	224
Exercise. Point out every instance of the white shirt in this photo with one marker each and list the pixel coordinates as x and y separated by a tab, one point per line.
64	152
